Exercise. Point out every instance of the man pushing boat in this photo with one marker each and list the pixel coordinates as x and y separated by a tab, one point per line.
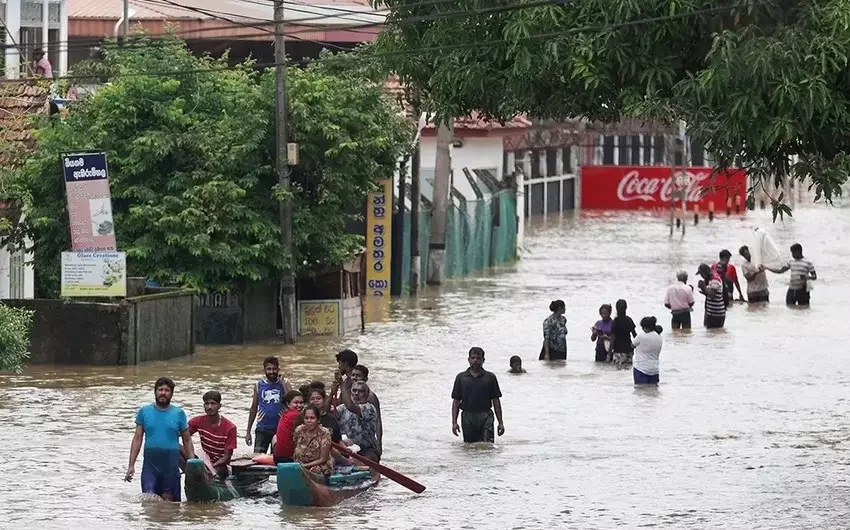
161	425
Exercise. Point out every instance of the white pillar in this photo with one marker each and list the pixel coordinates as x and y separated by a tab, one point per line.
511	167
520	211
45	25
13	38
5	272
63	37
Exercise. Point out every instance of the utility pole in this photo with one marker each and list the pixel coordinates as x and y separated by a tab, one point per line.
287	278
440	214
125	25
396	262
415	207
670	160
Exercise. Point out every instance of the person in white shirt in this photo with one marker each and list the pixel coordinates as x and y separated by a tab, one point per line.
679	299
647	351
757	286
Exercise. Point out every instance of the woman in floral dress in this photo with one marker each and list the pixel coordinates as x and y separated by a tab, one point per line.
555	333
313	443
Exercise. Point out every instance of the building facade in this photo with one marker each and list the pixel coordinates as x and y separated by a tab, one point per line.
30	25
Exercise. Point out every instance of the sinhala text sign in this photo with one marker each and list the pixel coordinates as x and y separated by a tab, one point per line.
89	202
94	274
320	317
379	239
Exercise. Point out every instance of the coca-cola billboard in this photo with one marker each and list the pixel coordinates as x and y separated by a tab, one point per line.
651	187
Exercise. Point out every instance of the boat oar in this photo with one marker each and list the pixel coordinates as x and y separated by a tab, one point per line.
391	474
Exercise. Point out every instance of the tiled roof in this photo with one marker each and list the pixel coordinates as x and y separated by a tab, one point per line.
473	122
114	9
18	102
251	11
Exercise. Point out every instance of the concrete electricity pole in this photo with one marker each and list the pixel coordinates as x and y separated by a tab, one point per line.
440	214
125	25
287	277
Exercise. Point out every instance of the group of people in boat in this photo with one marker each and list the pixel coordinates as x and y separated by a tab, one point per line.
317	428
618	341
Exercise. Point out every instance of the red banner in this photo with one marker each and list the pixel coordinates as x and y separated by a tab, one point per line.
651	187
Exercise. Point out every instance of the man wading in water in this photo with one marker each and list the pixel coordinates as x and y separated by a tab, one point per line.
757	286
679	299
715	306
474	391
267	405
161	425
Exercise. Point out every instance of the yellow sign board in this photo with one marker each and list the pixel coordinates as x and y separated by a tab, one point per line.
94	274
320	317
379	239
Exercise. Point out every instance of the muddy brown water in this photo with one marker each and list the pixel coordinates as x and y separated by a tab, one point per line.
748	428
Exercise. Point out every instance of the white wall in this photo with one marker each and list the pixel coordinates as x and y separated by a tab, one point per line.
4	273
476	153
6	290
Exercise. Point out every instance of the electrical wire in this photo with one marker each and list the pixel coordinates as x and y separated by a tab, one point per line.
446	47
355	28
242	24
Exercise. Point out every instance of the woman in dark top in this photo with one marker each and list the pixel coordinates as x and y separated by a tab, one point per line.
319	398
623	330
601	334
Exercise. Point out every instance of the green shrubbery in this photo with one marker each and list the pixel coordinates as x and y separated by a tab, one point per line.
14	337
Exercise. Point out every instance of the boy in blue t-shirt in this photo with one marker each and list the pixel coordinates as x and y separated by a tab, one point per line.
161	426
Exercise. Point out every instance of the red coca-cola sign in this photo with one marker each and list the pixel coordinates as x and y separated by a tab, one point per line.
651	187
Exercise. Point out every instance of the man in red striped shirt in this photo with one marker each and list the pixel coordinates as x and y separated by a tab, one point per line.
217	433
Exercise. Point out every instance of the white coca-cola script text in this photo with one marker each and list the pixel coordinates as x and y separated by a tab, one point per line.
634	187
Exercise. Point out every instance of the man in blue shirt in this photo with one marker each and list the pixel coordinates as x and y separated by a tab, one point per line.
161	426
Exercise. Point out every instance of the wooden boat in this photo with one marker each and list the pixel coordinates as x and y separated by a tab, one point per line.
298	487
246	481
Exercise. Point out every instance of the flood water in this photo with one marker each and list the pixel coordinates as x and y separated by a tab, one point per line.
748	429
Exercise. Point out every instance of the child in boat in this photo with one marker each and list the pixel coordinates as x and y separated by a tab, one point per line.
516	365
313	443
284	446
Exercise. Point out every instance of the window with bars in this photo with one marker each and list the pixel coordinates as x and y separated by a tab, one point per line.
535	163
552	161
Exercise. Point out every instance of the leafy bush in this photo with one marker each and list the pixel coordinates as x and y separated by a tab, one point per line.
192	173
15	327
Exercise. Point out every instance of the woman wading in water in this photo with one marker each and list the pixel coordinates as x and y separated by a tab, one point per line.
555	333
647	351
601	333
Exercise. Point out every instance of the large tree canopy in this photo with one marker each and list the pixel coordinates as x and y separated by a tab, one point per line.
764	83
190	144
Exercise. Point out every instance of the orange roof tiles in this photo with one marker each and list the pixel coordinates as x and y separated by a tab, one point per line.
18	103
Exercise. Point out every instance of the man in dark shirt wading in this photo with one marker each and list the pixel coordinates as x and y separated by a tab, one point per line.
474	391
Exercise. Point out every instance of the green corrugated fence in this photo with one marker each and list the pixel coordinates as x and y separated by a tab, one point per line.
481	234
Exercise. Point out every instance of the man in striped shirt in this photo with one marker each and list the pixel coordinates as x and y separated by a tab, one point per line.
715	304
802	271
217	433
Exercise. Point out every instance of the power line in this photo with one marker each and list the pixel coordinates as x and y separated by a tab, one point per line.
442	48
354	27
243	24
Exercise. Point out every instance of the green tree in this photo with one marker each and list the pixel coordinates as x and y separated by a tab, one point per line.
15	327
762	83
190	146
